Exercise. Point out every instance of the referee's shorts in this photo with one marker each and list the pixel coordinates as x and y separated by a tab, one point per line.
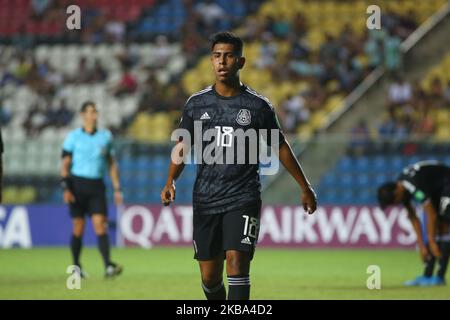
90	197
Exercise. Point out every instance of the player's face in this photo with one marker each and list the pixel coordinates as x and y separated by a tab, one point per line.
90	116
226	62
399	194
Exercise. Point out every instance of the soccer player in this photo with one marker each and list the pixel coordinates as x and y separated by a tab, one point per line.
226	197
427	182
87	151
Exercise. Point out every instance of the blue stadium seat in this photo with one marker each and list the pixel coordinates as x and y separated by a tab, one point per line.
346	197
363	180
345	164
380	163
329	180
346	180
362	163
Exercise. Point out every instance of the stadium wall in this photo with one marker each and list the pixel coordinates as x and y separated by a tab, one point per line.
152	225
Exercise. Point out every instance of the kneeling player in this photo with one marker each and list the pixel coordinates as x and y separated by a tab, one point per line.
427	182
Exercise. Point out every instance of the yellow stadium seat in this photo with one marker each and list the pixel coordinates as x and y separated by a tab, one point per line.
443	133
304	132
10	195
26	195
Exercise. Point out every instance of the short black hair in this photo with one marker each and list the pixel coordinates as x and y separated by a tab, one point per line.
86	104
228	37
386	194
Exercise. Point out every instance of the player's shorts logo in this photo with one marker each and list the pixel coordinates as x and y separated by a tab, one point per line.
244	117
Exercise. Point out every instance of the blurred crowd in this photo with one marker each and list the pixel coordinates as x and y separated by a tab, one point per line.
409	107
338	66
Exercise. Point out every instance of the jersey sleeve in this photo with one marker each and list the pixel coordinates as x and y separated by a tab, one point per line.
187	120
412	191
68	145
272	123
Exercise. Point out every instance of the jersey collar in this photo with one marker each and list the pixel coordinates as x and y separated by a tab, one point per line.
92	133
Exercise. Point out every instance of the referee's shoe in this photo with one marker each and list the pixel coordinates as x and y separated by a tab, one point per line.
113	270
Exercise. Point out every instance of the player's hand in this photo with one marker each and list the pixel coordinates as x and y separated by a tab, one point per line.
118	197
309	200
424	254
68	197
168	194
434	248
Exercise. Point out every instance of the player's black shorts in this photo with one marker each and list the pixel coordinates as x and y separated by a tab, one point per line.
89	197
214	234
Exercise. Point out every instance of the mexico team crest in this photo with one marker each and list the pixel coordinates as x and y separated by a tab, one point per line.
244	117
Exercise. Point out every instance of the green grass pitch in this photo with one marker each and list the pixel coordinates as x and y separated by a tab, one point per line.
171	273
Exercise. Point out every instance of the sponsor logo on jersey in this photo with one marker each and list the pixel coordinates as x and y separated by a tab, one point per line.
205	116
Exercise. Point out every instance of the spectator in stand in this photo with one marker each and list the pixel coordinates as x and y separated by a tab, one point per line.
114	31
425	125
392	54
5	113
39	8
436	94
127	84
399	93
211	13
83	72
62	115
281	27
268	52
162	52
360	138
98	73
294	112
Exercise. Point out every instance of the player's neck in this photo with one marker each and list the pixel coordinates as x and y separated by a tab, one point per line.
228	89
90	129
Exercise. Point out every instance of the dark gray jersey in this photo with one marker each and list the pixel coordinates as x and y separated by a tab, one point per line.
425	180
221	187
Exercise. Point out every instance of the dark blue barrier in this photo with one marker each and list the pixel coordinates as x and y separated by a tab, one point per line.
43	225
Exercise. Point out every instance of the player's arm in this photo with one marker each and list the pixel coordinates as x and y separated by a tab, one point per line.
179	151
175	169
430	211
290	162
65	178
412	216
114	174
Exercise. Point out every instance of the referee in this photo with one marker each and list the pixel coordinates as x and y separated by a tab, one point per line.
86	153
